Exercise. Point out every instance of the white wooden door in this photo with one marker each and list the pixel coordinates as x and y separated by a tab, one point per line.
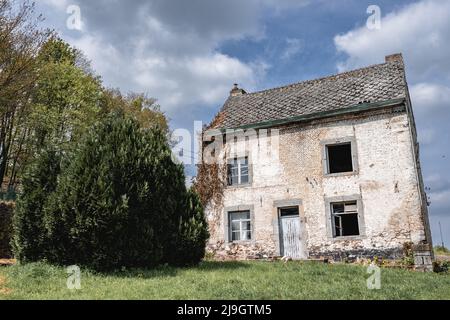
291	237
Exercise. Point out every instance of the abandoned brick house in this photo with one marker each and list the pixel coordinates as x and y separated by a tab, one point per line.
345	181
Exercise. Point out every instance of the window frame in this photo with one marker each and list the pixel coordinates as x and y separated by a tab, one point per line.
339	215
329	217
242	223
325	144
228	226
239	176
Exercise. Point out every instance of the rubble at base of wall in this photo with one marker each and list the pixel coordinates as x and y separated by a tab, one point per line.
221	251
240	251
354	255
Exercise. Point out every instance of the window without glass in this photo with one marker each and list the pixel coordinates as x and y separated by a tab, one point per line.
240	226
339	158
345	219
289	212
238	171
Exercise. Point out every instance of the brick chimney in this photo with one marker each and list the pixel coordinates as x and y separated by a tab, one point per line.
394	57
236	91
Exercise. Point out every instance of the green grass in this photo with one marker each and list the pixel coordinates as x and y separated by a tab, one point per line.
225	280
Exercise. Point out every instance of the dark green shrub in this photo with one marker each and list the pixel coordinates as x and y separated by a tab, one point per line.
39	182
118	201
441	266
189	239
6	213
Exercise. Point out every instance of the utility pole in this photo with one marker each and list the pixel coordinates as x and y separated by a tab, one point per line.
442	239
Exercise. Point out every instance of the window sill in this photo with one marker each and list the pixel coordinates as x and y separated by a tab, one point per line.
239	186
345	238
341	174
242	242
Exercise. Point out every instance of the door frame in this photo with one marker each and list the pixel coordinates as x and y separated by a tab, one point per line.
291	203
281	233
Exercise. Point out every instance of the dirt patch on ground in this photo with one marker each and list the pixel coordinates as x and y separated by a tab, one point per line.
7	262
3	289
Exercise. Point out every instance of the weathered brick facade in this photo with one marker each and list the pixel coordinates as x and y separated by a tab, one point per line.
386	183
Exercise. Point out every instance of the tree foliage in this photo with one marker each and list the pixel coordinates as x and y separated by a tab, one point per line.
120	201
40	180
187	245
20	40
140	107
98	184
66	100
49	94
6	214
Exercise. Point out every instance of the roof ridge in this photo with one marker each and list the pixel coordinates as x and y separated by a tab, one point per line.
318	79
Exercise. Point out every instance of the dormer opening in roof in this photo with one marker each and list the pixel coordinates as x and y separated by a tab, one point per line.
236	91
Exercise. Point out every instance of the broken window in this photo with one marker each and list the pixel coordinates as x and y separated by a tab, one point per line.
339	158
345	219
240	226
238	171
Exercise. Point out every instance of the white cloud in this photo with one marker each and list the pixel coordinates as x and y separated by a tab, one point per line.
190	80
440	199
430	97
176	80
169	49
59	4
105	57
293	47
420	31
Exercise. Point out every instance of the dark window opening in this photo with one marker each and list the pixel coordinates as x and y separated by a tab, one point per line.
289	212
345	219
340	158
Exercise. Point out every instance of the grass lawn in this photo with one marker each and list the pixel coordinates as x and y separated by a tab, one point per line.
224	280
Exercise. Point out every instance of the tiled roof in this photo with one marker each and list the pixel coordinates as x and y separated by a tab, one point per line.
377	83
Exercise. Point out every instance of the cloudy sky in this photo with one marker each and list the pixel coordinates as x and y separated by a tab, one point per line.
189	53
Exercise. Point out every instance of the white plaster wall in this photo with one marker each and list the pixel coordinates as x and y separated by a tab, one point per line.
386	182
